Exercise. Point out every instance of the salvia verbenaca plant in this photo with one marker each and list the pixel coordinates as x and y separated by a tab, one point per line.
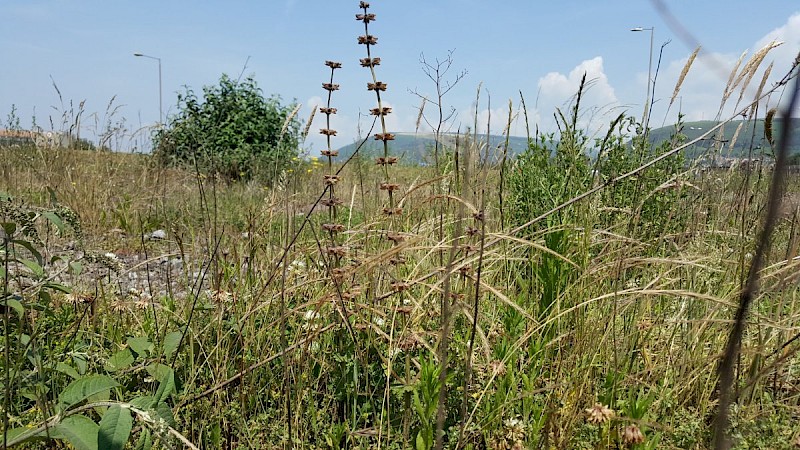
334	250
392	209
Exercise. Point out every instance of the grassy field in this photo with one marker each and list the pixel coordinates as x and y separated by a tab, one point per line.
269	342
550	300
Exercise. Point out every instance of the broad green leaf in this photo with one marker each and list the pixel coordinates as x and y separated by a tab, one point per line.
80	363
14	433
68	370
57	287
33	267
28	245
78	430
140	345
76	267
158	371
8	227
16	305
171	342
165	387
115	428
55	220
145	402
120	360
165	412
80	390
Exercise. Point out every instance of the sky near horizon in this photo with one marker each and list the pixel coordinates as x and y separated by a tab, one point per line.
538	48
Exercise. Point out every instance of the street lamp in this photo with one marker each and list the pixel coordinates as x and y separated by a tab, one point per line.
646	118
160	108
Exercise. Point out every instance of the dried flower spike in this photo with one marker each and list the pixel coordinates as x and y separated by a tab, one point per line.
330	86
363	5
333	153
330	180
327	132
324	110
333	64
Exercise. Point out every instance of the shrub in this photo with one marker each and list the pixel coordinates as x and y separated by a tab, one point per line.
233	131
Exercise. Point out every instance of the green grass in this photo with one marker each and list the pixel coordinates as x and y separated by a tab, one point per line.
638	325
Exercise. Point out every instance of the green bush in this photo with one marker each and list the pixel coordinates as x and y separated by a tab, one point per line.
233	131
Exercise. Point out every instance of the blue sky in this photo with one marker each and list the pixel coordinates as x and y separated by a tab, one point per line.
538	47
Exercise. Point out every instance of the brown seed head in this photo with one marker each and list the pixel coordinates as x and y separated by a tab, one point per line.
381	111
363	5
400	286
333	64
333	227
392	211
395	238
327	110
367	39
384	137
370	62
330	86
327	132
331	180
391	187
632	435
329	202
366	18
376	86
599	414
387	160
332	153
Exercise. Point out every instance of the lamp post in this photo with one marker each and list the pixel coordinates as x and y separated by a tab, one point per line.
646	118
160	107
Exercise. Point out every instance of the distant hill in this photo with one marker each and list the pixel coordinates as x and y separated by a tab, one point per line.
751	136
417	148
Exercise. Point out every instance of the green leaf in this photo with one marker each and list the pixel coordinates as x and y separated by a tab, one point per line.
68	370
165	388
140	345
171	342
145	440
145	402
165	413
57	287
158	371
120	360
80	390
76	267
78	430
16	305
28	245
421	442
55	220
115	428
14	433
33	267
